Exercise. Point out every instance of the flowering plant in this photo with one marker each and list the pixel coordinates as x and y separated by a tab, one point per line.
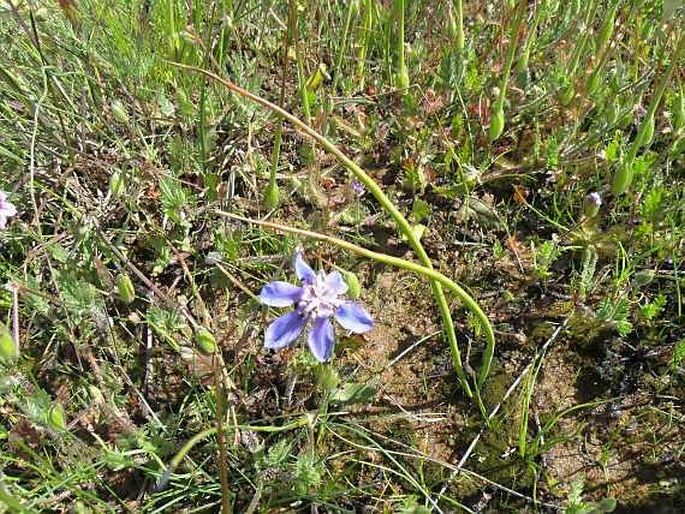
316	301
7	210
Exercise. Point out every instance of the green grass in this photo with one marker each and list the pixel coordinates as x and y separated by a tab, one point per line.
478	130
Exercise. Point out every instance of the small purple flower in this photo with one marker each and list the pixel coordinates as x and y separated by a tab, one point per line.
593	202
7	210
357	187
316	302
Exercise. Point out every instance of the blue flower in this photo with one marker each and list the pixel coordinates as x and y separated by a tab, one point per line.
317	300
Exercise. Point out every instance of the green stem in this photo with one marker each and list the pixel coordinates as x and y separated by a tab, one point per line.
402	223
402	76
364	46
511	53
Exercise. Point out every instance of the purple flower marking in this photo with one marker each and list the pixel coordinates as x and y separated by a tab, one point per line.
316	301
7	210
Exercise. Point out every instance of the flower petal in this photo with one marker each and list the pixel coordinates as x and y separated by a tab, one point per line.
336	283
353	318
284	330
280	294
8	210
302	269
321	339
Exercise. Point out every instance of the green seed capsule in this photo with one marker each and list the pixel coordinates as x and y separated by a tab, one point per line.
567	96
206	341
623	176
116	183
679	112
119	111
271	196
606	31
56	417
611	112
647	132
403	79
522	63
593	82
9	349
353	286
127	292
496	125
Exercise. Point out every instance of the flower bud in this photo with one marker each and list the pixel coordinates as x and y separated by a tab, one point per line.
271	196
496	124
353	286
593	202
9	349
567	96
403	79
606	31
623	176
647	131
679	112
205	341
56	418
119	111
127	292
116	183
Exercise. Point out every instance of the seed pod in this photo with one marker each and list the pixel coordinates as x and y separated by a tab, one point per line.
567	96
403	79
452	29
353	286
119	111
9	349
623	176
496	124
611	112
127	292
593	82
606	31
647	132
56	418
116	183
271	196
679	112
522	64
205	341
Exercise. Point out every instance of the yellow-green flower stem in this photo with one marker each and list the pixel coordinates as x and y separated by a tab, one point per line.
428	272
404	227
402	76
511	53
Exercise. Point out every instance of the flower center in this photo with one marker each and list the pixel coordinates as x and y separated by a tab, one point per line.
318	299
